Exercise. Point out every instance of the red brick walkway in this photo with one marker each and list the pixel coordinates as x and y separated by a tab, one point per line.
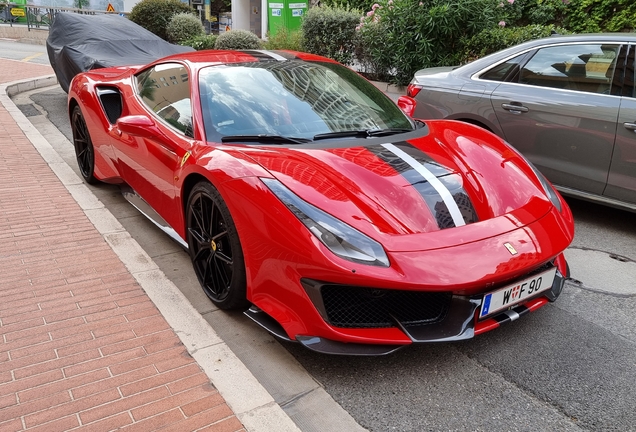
82	347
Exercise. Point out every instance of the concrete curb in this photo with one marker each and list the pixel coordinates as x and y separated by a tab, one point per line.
250	401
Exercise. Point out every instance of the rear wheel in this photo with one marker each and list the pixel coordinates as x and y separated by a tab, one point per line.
84	150
215	248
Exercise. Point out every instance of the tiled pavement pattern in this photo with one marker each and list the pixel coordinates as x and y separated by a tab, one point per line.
83	347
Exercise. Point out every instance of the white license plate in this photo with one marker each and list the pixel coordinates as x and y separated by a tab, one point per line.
516	293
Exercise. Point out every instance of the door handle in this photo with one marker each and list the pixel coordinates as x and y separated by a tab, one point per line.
630	126
514	109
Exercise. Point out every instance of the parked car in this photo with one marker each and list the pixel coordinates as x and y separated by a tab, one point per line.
305	194
82	42
566	102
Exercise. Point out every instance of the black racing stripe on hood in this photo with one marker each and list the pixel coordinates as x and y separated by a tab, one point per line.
435	202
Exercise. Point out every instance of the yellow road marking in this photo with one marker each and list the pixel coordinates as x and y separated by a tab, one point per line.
31	57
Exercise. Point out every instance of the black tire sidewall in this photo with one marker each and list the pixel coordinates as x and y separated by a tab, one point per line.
90	176
236	297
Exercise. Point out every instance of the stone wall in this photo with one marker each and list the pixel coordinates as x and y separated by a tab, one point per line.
21	32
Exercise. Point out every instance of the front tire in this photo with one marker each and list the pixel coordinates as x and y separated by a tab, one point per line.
215	249
84	150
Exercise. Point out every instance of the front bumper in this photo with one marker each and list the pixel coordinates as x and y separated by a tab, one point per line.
459	322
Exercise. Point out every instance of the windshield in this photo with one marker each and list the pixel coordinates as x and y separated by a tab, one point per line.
292	99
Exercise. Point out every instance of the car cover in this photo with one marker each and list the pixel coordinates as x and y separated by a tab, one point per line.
79	43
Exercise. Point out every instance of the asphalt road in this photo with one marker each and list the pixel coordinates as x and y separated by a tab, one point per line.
24	52
569	366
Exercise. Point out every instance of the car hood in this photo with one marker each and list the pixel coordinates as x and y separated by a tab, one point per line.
450	179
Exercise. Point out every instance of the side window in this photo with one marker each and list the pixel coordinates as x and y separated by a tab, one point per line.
587	68
165	89
506	71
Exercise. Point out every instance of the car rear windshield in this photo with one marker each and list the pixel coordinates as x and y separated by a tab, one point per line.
292	98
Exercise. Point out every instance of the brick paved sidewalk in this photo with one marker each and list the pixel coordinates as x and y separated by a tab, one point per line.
83	347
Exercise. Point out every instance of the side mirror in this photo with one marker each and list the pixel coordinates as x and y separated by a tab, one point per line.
407	105
144	127
139	125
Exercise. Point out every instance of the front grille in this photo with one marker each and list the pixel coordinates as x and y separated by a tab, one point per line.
355	307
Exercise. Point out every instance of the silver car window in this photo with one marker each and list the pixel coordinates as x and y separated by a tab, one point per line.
581	67
165	89
506	71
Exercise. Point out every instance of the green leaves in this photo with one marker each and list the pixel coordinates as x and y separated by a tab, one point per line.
393	39
237	40
154	15
200	42
330	31
417	34
497	38
601	16
183	26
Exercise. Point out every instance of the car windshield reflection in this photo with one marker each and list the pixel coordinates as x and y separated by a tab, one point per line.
292	99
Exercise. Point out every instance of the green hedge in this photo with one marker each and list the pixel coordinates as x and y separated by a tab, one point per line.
399	37
202	42
594	16
330	32
237	40
184	26
154	15
285	40
497	38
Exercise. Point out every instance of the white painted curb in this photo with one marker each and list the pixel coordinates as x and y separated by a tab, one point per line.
249	400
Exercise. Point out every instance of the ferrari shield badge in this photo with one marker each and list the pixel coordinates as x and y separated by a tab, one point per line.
511	249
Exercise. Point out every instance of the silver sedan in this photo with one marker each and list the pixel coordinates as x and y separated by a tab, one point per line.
568	103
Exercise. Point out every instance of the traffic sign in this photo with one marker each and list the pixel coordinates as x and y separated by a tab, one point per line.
110	8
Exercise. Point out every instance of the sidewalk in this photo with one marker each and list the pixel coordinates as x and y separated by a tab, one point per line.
93	335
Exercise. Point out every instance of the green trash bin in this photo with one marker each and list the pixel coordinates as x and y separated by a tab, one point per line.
286	15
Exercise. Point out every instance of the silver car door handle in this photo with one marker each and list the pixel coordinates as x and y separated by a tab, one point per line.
515	109
630	126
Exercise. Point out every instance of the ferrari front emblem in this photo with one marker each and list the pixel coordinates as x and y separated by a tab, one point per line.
213	245
510	248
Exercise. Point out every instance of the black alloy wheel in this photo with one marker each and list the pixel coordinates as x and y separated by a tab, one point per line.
215	248
84	150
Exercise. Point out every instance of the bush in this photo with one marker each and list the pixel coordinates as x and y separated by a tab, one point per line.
184	26
285	40
402	36
351	4
601	16
237	40
154	15
497	38
201	42
330	32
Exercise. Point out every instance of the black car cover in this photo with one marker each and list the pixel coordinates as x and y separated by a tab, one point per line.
79	43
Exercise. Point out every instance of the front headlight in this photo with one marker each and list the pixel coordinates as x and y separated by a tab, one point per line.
340	238
547	187
549	190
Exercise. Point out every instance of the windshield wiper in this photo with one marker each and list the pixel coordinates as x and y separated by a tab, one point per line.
367	133
264	138
389	131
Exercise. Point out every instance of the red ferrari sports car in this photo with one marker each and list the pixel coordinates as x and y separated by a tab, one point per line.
305	194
